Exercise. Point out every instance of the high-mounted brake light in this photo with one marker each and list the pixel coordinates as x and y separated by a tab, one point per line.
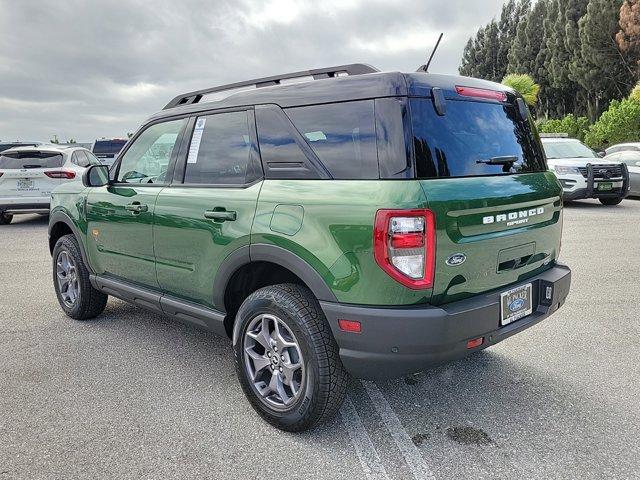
405	245
481	93
61	174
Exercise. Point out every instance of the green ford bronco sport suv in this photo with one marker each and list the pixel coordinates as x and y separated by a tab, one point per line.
330	222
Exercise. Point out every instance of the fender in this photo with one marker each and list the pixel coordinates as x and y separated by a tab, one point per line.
59	216
269	253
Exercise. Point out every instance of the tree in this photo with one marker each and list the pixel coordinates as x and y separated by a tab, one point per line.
54	140
602	69
628	38
575	127
525	85
620	123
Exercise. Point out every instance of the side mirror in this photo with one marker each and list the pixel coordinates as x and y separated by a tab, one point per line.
602	154
96	176
637	164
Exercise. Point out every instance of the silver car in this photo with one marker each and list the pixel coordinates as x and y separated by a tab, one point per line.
28	174
632	160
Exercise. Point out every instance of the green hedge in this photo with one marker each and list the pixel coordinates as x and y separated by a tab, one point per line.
620	123
576	127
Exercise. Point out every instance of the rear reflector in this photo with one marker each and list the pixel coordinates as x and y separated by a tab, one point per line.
351	326
481	93
476	342
61	174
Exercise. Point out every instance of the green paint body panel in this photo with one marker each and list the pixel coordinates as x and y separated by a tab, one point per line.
336	237
119	241
189	248
172	247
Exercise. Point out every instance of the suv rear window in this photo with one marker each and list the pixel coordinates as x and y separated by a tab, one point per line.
342	135
470	133
108	147
18	160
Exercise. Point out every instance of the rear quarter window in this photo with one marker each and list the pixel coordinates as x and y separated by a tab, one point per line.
342	135
470	133
20	160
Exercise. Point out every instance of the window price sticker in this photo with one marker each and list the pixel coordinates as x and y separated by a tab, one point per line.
194	148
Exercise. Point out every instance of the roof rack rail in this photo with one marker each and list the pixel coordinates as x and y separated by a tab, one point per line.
318	73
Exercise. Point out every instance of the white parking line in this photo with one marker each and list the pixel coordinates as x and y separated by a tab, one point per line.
369	458
412	455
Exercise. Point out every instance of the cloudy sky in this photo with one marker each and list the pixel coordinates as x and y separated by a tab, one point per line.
87	69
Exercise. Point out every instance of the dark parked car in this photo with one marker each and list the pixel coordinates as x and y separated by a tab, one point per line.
108	149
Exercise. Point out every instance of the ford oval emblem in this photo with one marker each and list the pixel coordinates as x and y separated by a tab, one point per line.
456	259
516	305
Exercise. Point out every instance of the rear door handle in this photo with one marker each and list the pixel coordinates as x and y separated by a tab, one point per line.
136	207
220	215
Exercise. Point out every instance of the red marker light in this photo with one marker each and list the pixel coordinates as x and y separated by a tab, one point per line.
351	326
481	93
476	342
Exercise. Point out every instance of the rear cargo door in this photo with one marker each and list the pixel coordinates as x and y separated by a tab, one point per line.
497	208
30	174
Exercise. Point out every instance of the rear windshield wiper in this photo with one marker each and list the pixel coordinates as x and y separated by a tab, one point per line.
506	160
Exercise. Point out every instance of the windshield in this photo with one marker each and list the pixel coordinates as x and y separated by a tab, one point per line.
19	160
568	149
473	139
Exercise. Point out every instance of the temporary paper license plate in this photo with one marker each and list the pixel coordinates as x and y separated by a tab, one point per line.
605	186
25	184
515	304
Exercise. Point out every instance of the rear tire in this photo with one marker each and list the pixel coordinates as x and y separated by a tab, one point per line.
74	291
305	384
610	201
5	218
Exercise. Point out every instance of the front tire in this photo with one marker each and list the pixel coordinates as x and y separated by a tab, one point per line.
76	295
287	359
5	218
610	201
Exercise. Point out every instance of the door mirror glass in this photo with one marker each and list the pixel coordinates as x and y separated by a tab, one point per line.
96	176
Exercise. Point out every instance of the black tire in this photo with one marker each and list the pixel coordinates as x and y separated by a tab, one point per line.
610	201
5	218
325	380
89	302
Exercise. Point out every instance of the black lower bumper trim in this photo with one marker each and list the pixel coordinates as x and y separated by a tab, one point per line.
24	207
397	341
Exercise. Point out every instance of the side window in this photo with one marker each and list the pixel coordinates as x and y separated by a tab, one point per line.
220	150
282	156
147	160
342	135
80	159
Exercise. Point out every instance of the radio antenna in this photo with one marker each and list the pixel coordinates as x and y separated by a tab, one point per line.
425	68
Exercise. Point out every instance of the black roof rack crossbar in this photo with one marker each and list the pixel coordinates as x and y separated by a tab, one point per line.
318	73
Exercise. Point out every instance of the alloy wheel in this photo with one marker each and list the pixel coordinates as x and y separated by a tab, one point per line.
273	361
67	276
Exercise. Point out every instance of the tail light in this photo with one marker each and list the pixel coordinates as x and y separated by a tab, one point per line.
481	93
61	174
405	246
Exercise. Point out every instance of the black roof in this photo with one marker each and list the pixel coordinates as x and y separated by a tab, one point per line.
330	89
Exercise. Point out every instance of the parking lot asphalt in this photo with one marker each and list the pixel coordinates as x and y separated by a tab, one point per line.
135	395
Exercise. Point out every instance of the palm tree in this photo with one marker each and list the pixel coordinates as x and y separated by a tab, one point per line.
525	85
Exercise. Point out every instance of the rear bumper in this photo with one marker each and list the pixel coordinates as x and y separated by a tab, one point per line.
397	341
23	205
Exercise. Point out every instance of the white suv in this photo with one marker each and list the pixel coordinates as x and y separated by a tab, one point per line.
28	174
583	173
